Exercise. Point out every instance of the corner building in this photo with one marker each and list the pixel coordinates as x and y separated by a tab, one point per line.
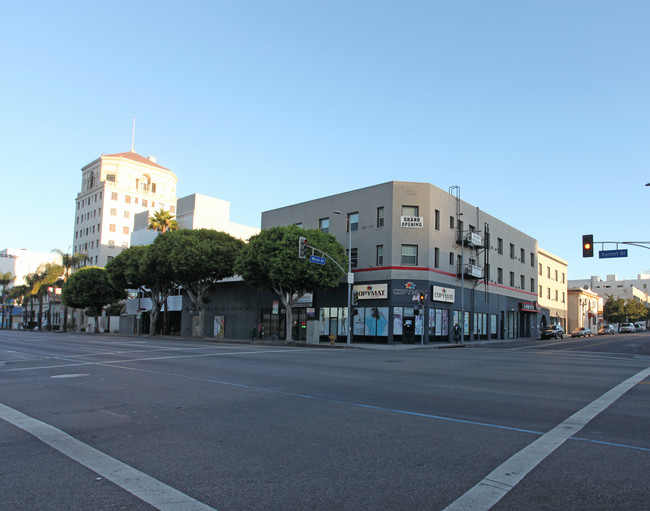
412	238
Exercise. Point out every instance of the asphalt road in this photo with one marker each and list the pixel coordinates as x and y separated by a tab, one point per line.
123	423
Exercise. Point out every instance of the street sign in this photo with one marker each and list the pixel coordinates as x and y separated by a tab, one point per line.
316	259
606	254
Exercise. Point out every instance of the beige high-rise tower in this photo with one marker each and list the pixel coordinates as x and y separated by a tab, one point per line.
114	188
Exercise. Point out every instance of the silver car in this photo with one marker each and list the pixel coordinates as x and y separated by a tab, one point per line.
581	332
626	328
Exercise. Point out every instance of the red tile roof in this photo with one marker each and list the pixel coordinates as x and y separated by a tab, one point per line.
136	157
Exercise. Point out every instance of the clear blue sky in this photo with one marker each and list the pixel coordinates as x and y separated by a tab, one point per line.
538	110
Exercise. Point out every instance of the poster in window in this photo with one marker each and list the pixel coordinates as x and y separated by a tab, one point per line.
358	321
323	322
398	312
432	322
382	321
343	321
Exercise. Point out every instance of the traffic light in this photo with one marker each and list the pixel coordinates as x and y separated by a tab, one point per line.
587	245
355	297
422	297
302	247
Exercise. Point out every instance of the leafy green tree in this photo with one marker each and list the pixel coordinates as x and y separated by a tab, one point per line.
635	310
162	221
89	288
198	259
146	268
270	261
614	310
69	261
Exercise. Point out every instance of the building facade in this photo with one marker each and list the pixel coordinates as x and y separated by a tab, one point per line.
552	288
114	188
636	289
585	310
412	239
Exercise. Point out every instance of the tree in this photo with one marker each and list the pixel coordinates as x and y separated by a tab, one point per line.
162	221
198	259
89	288
635	310
270	261
146	268
5	280
614	310
69	261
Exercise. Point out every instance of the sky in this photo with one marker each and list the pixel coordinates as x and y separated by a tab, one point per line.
538	110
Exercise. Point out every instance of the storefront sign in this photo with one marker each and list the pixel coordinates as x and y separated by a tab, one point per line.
371	291
528	307
444	294
412	221
410	289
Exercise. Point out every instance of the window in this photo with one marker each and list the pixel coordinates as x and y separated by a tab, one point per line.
145	203
532	285
540	269
172	209
353	221
111	228
499	246
522	282
410	255
324	224
113	212
512	251
556	295
532	259
512	279
125	230
556	276
127	214
153	187
110	177
380	216
451	222
562	296
548	272
127	199
436	220
540	291
548	293
109	259
563	279
410	210
436	257
451	258
523	255
111	243
499	275
113	195
380	255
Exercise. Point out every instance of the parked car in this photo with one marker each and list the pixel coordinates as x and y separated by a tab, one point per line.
626	328
553	332
581	332
606	330
640	326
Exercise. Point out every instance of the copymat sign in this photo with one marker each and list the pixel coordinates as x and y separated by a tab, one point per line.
371	291
443	294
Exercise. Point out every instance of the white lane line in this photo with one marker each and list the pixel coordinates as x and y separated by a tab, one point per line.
505	477
146	488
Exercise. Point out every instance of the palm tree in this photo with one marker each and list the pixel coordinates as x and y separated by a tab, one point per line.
69	261
162	221
5	280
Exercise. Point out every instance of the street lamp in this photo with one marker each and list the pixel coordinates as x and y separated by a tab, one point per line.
350	276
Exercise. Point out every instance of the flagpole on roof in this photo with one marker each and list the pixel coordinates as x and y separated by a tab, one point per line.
133	137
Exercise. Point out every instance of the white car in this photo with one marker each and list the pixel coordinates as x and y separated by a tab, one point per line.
640	326
626	328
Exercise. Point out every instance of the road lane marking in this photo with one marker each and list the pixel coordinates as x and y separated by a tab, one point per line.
504	478
143	486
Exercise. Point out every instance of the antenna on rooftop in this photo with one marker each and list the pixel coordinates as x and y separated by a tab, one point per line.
133	137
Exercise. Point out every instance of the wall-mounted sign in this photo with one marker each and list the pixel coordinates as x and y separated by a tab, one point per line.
444	294
371	291
528	307
410	289
412	221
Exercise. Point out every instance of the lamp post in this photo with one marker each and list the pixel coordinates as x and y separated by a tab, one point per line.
350	276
